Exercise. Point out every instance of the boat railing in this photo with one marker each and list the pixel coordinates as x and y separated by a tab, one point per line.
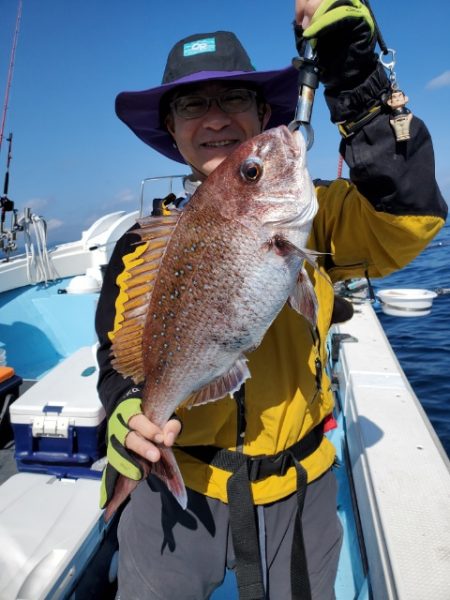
39	266
167	179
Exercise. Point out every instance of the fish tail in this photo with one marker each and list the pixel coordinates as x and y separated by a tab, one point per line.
168	471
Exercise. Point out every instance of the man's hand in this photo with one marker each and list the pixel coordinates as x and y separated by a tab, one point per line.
304	11
317	15
337	15
342	32
143	432
130	430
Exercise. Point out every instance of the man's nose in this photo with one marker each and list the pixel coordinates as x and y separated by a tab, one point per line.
215	116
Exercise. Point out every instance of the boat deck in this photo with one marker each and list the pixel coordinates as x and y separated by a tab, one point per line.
394	478
400	472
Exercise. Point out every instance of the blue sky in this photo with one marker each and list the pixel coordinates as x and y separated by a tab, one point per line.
73	160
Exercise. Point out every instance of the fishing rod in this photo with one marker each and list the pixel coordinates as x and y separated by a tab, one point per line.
10	71
308	82
8	236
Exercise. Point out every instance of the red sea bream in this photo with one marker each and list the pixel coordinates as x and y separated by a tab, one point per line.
211	279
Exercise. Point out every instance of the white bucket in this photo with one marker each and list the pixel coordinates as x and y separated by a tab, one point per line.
406	302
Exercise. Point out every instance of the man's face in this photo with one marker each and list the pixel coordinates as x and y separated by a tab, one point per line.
204	142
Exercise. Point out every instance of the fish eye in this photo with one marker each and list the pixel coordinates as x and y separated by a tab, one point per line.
251	169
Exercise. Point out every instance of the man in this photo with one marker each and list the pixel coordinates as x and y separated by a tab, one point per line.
212	100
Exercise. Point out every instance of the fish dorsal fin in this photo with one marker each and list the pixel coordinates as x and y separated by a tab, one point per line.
136	283
220	387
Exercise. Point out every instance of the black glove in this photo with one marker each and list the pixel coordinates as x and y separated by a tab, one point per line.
342	33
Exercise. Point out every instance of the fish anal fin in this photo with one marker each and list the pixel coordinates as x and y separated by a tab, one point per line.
304	299
122	489
220	387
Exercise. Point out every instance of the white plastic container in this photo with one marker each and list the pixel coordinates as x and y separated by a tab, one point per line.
49	530
406	302
84	284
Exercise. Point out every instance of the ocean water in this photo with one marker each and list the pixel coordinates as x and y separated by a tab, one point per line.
422	344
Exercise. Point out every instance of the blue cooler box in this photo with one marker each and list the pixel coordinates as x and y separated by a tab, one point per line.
59	424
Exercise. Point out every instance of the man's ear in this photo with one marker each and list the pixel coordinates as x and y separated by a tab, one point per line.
170	125
265	115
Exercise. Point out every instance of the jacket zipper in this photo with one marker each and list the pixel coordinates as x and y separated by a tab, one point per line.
239	396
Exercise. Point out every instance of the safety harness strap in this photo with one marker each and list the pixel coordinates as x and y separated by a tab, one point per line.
245	536
243	527
300	587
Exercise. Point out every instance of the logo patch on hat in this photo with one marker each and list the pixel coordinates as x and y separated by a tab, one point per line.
199	47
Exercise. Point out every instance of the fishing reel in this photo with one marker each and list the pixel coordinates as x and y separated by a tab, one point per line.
8	235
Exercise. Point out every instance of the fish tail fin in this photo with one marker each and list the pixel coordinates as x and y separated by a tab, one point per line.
168	471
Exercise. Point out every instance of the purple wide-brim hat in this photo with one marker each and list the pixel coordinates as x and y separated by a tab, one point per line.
141	110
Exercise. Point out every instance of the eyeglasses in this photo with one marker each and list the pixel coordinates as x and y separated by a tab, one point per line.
231	101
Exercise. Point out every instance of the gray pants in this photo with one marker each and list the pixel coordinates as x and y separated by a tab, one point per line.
167	553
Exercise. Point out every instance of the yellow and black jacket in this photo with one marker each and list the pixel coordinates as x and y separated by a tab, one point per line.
373	224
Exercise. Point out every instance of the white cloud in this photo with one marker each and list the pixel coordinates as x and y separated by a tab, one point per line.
36	204
117	202
53	224
441	81
125	195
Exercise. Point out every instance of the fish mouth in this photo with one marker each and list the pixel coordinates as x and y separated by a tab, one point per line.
296	141
299	141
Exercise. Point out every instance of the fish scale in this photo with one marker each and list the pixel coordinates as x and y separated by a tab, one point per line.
197	321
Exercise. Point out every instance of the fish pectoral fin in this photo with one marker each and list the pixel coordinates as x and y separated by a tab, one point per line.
304	299
220	387
168	471
284	246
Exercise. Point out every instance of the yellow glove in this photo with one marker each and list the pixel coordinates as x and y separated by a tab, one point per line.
120	460
336	14
342	34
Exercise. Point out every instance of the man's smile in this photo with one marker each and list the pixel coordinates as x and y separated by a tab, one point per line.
218	143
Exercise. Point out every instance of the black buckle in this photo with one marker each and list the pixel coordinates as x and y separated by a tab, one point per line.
261	467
